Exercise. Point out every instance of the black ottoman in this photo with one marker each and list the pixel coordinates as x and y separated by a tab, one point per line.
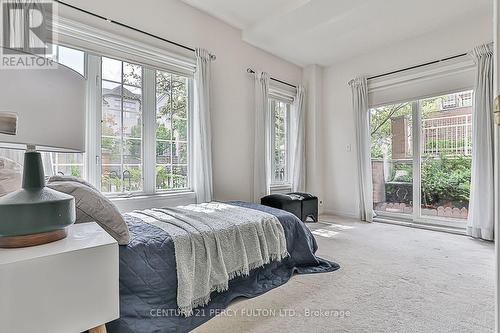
302	205
283	201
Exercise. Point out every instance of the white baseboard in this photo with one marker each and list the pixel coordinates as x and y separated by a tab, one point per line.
339	213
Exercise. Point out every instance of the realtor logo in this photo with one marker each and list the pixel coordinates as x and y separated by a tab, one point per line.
27	34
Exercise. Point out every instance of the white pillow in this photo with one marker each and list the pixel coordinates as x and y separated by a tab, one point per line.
11	176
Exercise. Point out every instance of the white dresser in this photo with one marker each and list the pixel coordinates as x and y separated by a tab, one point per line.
67	286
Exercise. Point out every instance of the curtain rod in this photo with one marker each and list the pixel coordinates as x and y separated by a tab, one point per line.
212	56
251	71
417	66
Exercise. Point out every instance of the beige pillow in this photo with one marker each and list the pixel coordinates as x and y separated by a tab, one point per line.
59	178
92	206
11	176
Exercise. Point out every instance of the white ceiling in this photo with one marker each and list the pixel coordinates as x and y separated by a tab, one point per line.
327	31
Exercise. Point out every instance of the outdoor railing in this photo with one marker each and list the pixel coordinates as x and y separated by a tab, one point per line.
447	135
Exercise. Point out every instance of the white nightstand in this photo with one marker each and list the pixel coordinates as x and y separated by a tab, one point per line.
68	286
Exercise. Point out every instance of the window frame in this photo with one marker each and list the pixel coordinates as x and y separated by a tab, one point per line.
95	42
286	183
190	104
416	217
94	115
122	137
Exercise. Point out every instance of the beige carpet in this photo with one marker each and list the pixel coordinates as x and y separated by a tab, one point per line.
392	279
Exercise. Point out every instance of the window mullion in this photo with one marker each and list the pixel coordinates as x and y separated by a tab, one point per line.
171	186
190	111
288	145
122	141
416	136
273	141
94	105
279	110
149	130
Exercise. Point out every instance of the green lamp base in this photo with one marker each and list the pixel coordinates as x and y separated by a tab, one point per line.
35	214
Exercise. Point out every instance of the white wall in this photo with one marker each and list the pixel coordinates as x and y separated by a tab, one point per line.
232	93
313	83
337	125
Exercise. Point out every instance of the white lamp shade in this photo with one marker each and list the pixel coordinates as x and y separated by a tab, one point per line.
50	108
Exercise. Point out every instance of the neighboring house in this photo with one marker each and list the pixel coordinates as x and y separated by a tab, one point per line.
130	120
447	131
112	99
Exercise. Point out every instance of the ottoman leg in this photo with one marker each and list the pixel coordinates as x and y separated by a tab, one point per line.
310	209
315	217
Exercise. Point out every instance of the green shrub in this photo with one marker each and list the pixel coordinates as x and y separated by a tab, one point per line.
445	180
406	175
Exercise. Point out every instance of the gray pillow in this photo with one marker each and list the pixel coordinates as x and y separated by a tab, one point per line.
59	178
92	206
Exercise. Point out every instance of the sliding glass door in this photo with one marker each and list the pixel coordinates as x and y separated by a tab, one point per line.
421	159
392	158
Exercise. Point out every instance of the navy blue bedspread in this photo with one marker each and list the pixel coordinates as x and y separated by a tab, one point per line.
148	279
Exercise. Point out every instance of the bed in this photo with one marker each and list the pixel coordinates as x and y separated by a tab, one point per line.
148	280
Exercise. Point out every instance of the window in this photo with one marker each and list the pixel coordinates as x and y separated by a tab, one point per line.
123	132
465	99
280	114
421	159
451	101
68	164
171	131
121	127
138	137
72	58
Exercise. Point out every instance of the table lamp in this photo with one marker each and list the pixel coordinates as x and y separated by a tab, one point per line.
40	110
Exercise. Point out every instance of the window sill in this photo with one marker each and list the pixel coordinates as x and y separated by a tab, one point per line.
140	195
158	200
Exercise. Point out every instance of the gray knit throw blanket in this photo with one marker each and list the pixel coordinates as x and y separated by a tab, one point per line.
214	243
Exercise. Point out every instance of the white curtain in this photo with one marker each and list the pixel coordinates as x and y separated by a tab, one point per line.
297	126
359	89
262	149
481	208
202	135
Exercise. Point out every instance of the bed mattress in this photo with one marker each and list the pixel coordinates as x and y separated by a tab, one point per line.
148	279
